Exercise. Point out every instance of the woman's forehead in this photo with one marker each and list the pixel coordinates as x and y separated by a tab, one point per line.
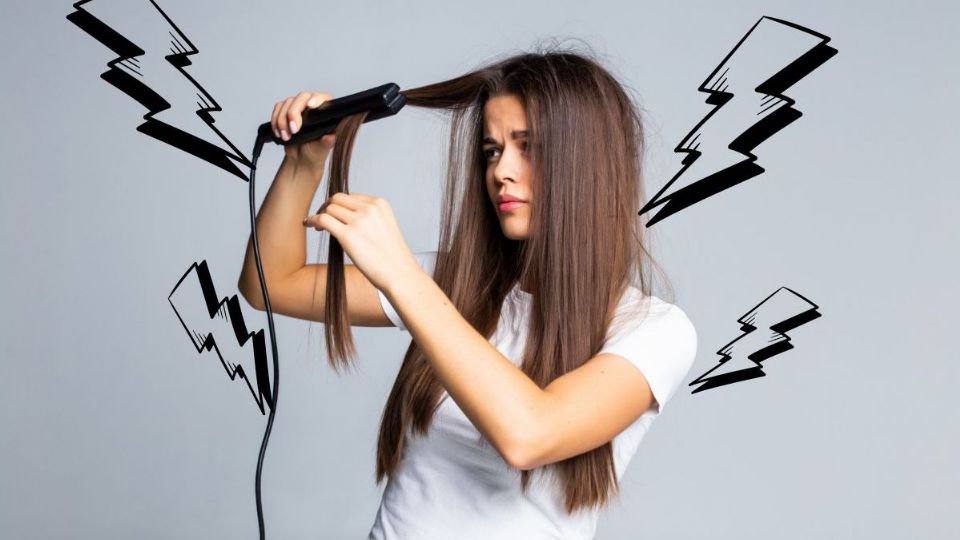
504	114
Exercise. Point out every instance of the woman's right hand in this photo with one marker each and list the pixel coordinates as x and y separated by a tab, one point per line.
287	120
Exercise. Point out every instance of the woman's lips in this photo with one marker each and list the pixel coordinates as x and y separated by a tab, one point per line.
508	206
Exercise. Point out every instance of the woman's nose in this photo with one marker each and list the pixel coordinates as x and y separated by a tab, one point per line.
507	169
502	179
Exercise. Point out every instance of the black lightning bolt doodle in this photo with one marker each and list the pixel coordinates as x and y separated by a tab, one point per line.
140	70
780	312
788	51
202	326
135	67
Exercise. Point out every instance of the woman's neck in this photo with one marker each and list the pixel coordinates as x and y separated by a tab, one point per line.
525	286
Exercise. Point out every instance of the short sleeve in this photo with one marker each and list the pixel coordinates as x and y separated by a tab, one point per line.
427	261
662	345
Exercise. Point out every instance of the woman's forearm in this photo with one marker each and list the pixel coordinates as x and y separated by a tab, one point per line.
280	231
506	406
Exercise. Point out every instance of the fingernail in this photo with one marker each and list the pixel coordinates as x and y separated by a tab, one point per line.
293	127
283	134
312	102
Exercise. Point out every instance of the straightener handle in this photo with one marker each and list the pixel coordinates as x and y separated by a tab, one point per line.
381	101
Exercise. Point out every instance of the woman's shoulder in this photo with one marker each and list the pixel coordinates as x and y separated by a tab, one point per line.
658	337
638	310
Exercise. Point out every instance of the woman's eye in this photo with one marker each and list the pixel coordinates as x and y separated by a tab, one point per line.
488	155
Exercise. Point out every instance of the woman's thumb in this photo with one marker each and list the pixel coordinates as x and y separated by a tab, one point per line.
317	100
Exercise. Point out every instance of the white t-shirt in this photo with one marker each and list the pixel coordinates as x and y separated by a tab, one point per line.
452	483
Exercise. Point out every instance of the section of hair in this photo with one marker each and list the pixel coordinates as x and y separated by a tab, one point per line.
587	243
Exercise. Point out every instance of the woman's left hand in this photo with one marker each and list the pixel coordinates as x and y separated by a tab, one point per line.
368	232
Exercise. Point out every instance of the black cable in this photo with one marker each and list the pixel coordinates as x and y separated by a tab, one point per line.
379	102
257	147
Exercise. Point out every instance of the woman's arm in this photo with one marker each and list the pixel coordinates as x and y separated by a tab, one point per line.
282	243
295	288
529	426
500	400
280	228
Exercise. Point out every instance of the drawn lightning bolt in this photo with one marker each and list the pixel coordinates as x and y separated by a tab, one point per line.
222	318
778	313
142	68
747	92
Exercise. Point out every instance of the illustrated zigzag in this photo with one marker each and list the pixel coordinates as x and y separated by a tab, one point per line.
202	326
768	60
126	72
743	357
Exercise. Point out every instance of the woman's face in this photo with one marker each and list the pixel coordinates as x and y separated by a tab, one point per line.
507	163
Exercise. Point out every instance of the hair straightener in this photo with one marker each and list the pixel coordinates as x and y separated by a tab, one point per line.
381	101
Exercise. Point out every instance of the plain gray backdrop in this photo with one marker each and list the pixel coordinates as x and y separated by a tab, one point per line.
113	426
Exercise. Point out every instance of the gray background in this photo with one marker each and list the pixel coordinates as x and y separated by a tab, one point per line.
114	427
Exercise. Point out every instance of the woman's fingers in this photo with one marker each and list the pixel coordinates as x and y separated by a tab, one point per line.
357	197
273	118
317	99
353	201
330	224
282	119
287	115
293	117
301	102
342	213
342	206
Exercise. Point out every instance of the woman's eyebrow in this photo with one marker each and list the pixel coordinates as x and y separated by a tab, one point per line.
515	134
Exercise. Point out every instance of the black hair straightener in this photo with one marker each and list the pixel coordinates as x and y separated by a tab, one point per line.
381	101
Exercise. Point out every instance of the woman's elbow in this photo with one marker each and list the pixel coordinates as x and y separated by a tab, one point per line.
252	298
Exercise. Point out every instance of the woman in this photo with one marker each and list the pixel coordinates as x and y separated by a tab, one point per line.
535	315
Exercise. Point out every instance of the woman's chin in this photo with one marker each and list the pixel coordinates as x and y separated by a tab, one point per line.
513	233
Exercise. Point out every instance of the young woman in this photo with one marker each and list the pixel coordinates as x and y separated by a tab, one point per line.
540	356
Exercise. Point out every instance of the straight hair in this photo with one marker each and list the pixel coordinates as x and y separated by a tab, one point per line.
587	244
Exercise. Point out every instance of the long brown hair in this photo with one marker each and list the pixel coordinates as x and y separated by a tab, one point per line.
587	243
